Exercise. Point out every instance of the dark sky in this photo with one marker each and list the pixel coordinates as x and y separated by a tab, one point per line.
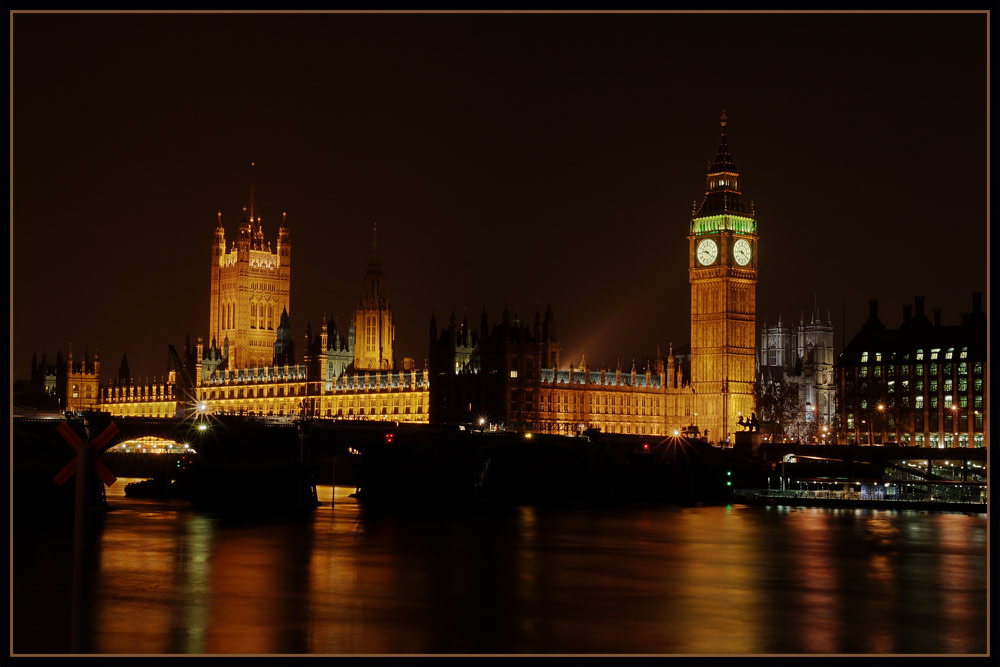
506	159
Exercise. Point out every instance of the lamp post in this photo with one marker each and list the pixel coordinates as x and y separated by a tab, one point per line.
881	412
810	409
954	424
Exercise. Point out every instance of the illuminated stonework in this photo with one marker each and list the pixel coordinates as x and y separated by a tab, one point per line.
374	332
82	382
250	289
156	399
723	301
510	376
289	392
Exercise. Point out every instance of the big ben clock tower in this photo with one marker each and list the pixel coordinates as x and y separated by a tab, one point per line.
722	270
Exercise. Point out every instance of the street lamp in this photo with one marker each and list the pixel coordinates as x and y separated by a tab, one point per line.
810	408
881	411
954	423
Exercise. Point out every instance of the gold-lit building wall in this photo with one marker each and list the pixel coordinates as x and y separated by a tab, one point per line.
723	339
82	383
637	410
152	399
388	396
250	287
157	400
289	392
567	402
263	391
374	332
374	337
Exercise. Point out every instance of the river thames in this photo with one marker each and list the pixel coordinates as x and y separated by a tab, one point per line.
655	579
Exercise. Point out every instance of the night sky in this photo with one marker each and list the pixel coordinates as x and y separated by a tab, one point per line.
506	159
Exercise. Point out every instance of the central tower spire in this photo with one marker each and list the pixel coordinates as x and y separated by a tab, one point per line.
252	210
722	188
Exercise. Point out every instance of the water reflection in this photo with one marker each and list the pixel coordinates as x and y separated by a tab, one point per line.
654	580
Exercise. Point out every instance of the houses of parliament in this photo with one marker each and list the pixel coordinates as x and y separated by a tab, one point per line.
510	373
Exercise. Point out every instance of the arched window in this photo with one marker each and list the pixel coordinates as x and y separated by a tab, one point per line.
253	315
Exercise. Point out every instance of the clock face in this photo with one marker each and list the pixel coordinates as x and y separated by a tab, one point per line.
707	252
741	252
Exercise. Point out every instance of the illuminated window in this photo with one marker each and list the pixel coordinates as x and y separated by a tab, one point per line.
948	354
964	353
918	402
864	357
920	355
934	352
878	356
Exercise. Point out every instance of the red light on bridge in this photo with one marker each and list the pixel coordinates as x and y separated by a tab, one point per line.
388	438
645	447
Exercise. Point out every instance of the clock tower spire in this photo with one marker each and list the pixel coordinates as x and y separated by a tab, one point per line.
722	270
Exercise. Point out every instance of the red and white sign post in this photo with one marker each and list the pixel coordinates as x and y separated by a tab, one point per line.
84	466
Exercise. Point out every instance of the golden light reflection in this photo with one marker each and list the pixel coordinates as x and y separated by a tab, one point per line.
244	583
716	583
881	579
816	580
527	567
152	580
354	591
956	579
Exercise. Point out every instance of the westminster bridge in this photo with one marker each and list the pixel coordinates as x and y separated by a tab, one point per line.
255	459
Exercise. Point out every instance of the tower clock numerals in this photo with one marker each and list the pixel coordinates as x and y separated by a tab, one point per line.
707	252
742	252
